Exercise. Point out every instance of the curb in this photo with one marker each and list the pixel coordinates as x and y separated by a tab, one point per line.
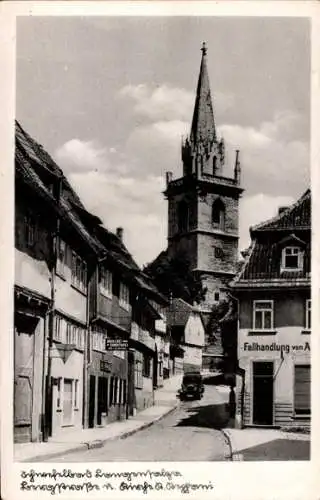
97	443
227	437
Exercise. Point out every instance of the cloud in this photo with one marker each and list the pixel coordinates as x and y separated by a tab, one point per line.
85	156
272	156
136	205
124	186
255	209
81	155
160	103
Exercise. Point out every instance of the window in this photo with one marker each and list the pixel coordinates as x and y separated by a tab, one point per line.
62	258
78	273
263	314
69	334
302	386
308	314
214	164
292	259
146	365
98	341
218	214
124	392
106	282
30	230
138	373
115	396
124	296
58	328
183	216
216	297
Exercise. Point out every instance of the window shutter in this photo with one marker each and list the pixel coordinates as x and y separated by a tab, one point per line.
302	385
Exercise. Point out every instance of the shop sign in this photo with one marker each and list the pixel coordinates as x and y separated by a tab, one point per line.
116	345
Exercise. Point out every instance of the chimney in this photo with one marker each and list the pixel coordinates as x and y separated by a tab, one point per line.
119	232
281	209
168	177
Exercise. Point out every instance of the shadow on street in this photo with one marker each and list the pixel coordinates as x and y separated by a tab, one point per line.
209	416
279	449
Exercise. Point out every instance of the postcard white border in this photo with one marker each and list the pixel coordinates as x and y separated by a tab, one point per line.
292	480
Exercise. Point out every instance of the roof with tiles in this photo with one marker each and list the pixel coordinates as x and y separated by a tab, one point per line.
297	216
33	166
262	266
30	158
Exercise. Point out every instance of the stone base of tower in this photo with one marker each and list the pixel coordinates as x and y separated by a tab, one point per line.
216	289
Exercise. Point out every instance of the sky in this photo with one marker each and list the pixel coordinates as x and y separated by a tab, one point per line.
110	98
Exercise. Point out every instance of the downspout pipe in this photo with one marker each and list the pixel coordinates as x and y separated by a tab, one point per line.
54	253
240	371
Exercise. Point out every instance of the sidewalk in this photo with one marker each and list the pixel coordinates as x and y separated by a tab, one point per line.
165	402
267	444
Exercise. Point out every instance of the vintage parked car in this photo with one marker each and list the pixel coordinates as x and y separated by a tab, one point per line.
192	386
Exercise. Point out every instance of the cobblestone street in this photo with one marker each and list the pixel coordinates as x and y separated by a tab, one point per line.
190	433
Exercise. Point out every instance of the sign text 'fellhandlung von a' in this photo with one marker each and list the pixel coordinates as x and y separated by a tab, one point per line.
116	345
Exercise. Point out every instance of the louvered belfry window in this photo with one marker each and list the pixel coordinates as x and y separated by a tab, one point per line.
302	386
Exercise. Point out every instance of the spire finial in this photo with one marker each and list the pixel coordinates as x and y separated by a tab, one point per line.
204	48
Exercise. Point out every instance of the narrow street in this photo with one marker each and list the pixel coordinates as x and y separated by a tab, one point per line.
190	433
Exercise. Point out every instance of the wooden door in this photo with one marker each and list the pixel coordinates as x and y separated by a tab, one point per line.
23	381
67	402
263	393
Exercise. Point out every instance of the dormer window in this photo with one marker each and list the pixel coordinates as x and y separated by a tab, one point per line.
292	259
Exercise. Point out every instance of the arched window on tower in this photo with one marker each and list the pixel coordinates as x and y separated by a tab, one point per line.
183	216
214	165
218	214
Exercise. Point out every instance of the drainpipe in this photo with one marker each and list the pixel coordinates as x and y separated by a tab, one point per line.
48	385
86	360
241	372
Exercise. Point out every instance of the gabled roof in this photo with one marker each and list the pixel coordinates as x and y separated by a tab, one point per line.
297	216
35	167
30	161
203	125
262	266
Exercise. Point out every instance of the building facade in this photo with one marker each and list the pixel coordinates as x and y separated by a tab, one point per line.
273	290
187	333
89	336
32	299
203	203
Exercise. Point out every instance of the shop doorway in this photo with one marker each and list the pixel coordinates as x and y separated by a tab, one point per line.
92	393
155	368
67	402
262	393
23	377
102	398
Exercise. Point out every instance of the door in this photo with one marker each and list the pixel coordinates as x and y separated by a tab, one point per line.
262	393
67	402
23	377
92	395
102	398
155	368
131	375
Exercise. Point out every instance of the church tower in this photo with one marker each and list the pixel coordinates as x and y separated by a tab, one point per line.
203	203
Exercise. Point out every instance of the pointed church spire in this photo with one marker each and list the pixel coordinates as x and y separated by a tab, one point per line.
203	126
